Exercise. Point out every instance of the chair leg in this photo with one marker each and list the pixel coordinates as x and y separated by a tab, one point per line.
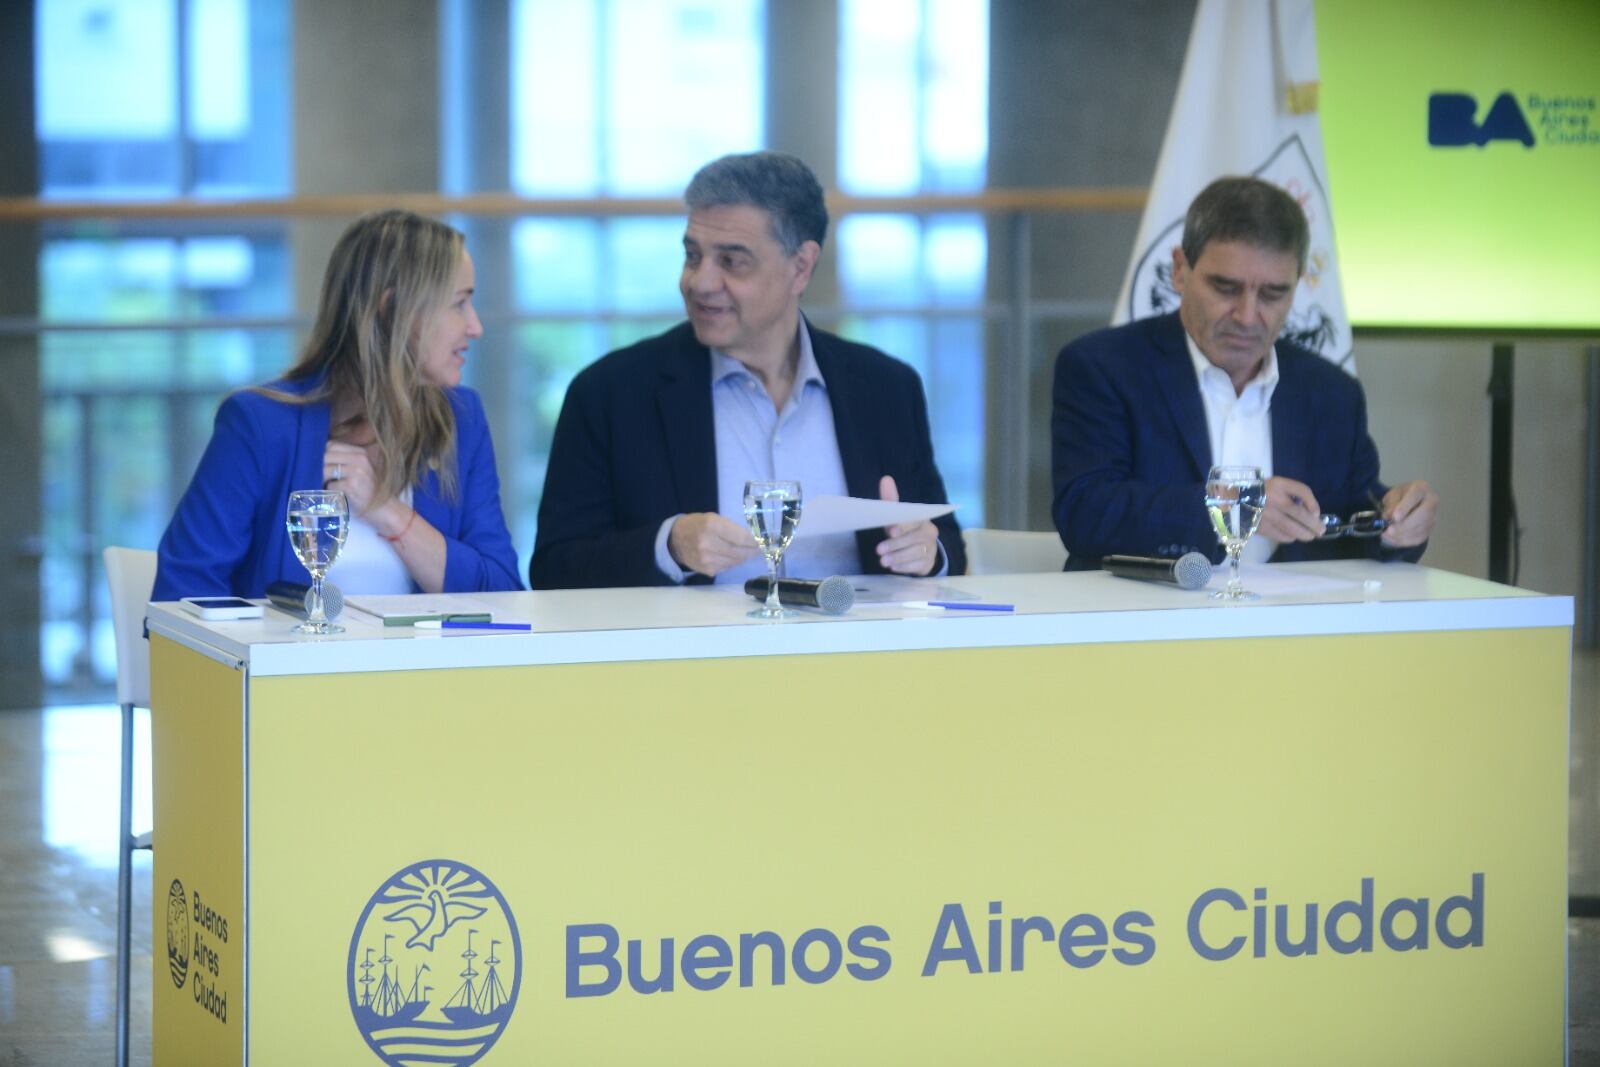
125	886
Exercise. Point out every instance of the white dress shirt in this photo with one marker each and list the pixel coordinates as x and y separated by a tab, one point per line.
1239	424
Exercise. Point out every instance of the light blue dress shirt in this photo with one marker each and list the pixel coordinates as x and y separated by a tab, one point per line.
755	441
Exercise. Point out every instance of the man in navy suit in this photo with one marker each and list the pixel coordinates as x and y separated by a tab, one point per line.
1142	411
655	441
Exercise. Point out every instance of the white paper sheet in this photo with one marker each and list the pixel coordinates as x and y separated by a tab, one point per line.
1269	581
845	514
405	608
894	590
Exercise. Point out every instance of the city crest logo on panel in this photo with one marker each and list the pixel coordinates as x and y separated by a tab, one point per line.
435	965
1310	324
177	933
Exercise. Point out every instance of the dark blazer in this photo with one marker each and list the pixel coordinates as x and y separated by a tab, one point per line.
1130	450
227	535
636	444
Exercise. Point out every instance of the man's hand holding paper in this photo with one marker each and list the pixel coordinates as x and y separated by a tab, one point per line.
912	544
912	547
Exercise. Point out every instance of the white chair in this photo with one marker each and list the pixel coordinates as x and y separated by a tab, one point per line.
1012	551
131	573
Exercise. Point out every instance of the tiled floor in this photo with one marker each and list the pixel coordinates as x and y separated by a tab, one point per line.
58	775
58	891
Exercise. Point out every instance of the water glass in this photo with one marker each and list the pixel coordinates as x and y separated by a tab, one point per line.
1235	499
318	521
772	510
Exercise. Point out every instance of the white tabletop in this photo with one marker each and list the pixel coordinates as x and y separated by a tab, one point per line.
704	622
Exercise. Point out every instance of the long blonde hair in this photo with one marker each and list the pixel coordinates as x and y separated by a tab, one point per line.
389	274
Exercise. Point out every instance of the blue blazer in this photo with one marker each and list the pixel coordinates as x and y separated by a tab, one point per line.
636	444
1130	450
227	536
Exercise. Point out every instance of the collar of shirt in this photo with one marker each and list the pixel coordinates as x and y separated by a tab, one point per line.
1218	387
724	366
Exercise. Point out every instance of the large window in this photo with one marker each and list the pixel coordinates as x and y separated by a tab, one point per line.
913	118
162	97
628	98
621	98
147	325
609	98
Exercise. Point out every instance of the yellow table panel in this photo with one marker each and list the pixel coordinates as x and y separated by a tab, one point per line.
1326	848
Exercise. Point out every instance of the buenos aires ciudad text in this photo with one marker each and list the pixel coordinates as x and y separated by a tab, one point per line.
1225	925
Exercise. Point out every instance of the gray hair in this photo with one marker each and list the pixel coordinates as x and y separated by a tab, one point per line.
778	184
1249	210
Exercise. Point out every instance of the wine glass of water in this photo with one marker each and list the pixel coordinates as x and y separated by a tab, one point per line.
318	521
1235	498
773	511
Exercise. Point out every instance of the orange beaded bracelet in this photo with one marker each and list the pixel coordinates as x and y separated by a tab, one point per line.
403	530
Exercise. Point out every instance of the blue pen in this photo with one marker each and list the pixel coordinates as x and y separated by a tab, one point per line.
950	605
453	624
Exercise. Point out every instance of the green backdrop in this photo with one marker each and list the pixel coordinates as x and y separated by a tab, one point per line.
1500	235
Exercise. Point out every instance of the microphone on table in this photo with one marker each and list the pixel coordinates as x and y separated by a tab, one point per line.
833	595
1188	571
295	598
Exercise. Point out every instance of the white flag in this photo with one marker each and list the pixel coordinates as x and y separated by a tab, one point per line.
1246	104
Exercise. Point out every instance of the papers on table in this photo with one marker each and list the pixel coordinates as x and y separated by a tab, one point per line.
1271	580
895	590
409	608
846	514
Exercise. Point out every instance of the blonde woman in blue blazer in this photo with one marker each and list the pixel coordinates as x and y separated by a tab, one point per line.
373	407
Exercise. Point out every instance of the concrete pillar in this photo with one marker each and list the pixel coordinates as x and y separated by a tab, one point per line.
1079	93
802	107
366	119
21	536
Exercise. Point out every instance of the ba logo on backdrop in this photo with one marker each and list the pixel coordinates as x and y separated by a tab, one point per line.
1564	120
1452	121
435	965
1310	325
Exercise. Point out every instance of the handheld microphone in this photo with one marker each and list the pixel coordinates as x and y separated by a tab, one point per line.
1189	571
295	598
833	595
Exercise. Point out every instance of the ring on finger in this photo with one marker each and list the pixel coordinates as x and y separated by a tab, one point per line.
338	472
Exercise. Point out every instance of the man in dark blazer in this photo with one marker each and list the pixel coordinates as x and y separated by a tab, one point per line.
638	492
1141	410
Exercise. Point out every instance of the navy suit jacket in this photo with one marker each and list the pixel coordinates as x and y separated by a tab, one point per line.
1130	449
636	444
228	536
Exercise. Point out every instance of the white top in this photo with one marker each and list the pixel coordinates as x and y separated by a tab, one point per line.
709	622
1240	425
369	564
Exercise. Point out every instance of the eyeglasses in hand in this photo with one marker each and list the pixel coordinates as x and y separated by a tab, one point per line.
1359	524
